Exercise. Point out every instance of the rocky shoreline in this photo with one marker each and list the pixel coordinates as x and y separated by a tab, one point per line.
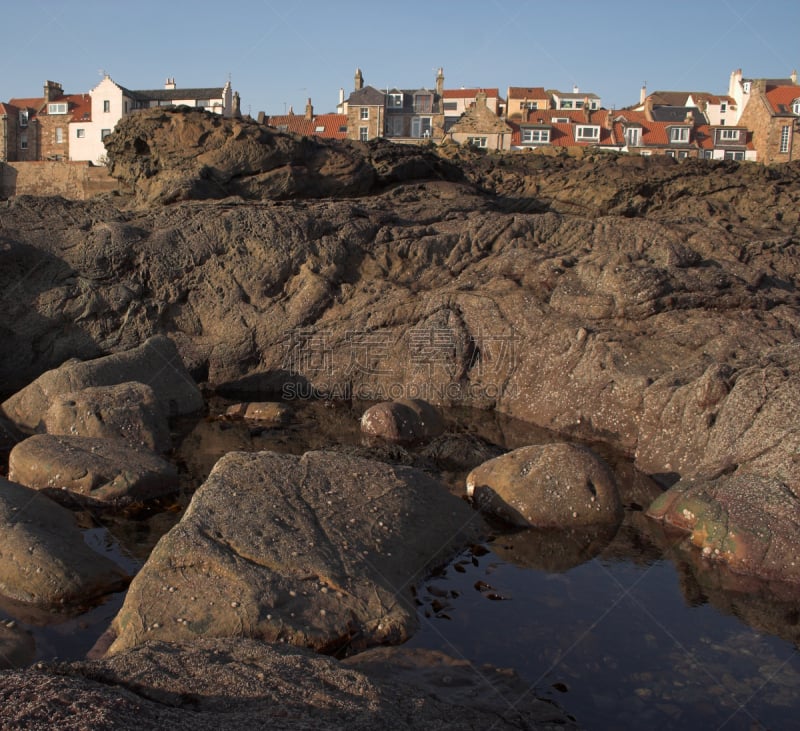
647	307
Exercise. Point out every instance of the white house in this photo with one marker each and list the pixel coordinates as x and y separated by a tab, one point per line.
111	102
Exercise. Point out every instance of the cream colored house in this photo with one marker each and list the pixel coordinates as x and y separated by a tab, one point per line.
110	102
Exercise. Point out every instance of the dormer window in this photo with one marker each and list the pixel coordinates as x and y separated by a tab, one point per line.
728	135
23	118
560	120
396	101
57	108
535	135
587	133
678	135
633	136
423	103
796	106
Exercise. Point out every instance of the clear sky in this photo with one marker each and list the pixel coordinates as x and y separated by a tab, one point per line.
278	53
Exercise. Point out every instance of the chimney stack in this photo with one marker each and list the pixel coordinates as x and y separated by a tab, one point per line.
309	110
170	83
359	80
794	77
643	93
52	90
440	81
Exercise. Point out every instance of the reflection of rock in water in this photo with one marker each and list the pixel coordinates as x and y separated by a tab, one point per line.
766	606
553	550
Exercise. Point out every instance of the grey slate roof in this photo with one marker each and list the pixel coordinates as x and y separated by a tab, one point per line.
166	95
677	114
369	96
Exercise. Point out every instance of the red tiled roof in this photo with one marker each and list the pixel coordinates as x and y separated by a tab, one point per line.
524	92
79	104
34	104
322	125
469	93
778	96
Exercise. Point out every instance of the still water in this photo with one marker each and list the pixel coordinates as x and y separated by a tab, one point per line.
626	630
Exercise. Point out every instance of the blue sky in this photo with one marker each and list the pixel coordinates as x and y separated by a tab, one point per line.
279	53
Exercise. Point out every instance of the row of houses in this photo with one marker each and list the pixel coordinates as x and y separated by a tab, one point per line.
756	120
59	126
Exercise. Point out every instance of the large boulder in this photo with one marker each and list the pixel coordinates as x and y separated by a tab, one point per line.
156	363
127	411
402	420
243	684
91	470
547	486
747	522
45	559
319	551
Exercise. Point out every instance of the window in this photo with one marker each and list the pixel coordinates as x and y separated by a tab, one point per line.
796	106
396	101
106	105
59	135
23	142
202	103
683	154
80	133
420	127
560	120
534	136
633	136
528	105
23	118
451	106
678	134
59	108
670	153
723	107
394	126
476	141
784	139
104	133
364	112
707	154
729	135
583	132
363	133
343	128
423	103
565	104
731	155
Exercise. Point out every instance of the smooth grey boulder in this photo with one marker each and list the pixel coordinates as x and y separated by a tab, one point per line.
127	411
156	363
91	470
243	684
43	556
17	647
547	486
320	550
402	420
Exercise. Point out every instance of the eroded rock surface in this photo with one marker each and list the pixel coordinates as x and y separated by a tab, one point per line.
243	684
318	551
402	420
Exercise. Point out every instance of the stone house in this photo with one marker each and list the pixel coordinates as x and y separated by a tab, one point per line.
402	115
456	102
772	115
38	128
480	127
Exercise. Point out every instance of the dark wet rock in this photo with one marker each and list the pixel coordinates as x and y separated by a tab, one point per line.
747	522
402	420
319	551
243	684
460	451
126	411
551	485
45	558
95	471
156	363
269	412
17	647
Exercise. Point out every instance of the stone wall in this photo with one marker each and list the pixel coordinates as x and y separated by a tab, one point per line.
75	180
